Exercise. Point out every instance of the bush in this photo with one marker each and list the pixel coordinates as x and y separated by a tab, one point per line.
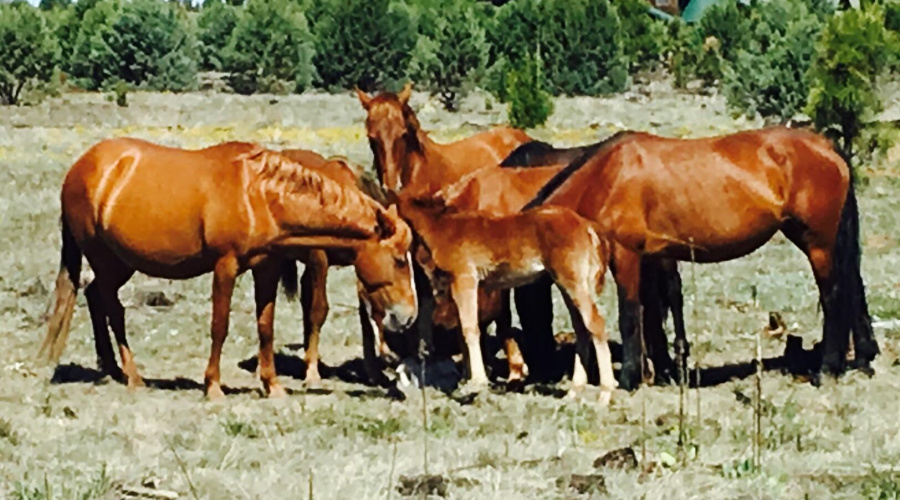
710	46
529	104
145	43
270	49
364	43
581	39
215	24
451	53
28	52
644	45
853	53
769	75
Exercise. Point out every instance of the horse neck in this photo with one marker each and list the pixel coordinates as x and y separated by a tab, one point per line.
429	167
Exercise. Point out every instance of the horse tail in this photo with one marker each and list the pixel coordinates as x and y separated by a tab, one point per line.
63	296
848	277
289	280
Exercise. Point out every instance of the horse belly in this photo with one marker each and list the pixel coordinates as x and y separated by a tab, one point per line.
505	275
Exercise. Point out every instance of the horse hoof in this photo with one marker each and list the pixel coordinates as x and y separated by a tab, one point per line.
214	393
276	391
605	396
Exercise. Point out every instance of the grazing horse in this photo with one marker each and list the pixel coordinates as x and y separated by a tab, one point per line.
408	161
719	198
312	288
660	280
130	205
463	250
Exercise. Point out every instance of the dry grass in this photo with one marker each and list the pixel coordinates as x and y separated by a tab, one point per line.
82	439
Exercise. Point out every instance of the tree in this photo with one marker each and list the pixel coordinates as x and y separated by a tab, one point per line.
451	52
270	49
29	50
853	53
644	45
364	43
215	24
529	104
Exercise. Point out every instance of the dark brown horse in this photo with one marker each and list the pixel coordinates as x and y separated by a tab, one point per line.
129	205
720	198
660	280
408	161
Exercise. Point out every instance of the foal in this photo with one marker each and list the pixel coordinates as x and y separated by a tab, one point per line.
461	251
129	205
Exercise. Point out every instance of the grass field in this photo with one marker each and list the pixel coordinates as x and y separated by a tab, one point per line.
79	437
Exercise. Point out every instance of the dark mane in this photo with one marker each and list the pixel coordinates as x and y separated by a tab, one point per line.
524	155
560	178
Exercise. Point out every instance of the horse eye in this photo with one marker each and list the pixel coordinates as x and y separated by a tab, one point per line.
400	262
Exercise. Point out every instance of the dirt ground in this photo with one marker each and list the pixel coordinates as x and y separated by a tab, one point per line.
66	433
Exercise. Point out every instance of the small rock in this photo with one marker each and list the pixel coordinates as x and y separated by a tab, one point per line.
157	299
430	484
623	458
583	483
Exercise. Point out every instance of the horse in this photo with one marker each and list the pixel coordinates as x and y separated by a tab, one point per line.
312	284
407	161
660	280
719	198
461	251
129	205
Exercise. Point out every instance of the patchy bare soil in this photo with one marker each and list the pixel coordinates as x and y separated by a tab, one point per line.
79	437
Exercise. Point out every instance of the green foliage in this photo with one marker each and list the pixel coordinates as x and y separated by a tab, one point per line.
29	51
270	49
364	43
451	52
215	24
529	104
769	75
53	4
645	43
146	43
853	53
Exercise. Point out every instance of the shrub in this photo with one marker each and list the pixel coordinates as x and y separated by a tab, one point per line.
270	49
512	35
853	53
584	38
451	52
685	52
364	43
145	43
529	104
28	51
215	24
723	30
769	76
644	45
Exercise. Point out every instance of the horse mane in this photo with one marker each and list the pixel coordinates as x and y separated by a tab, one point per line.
560	178
521	156
281	177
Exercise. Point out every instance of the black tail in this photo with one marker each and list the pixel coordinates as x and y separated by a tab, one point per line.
850	287
67	282
289	280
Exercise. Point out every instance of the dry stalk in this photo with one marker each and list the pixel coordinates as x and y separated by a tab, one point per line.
757	435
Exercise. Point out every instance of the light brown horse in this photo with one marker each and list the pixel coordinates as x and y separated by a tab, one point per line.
719	198
408	161
313	283
130	205
463	250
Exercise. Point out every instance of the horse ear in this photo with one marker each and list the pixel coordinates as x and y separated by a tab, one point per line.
364	99
403	95
385	226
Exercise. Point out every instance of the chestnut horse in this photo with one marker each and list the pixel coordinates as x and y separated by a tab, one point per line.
660	288
461	251
129	205
719	198
408	161
313	283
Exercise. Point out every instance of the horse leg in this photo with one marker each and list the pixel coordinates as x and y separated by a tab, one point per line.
465	293
589	324
314	300
534	305
654	299
265	288
514	357
370	330
626	271
671	281
106	357
224	276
